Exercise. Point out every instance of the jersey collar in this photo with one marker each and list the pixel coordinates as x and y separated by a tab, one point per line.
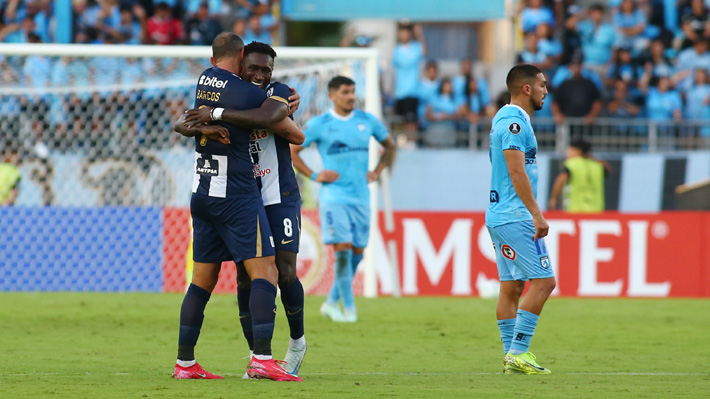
527	117
340	117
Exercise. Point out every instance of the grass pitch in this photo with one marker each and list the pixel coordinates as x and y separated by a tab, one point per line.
73	345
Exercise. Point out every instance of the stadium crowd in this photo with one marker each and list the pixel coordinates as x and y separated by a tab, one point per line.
628	59
190	22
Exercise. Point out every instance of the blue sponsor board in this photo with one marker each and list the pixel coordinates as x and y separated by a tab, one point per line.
105	249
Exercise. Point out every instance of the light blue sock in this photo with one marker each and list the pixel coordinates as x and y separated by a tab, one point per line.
334	294
344	277
506	327
357	258
525	324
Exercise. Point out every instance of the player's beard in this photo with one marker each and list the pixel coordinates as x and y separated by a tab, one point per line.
537	105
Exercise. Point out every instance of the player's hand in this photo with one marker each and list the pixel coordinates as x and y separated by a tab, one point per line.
216	132
198	115
541	227
327	176
293	101
373	176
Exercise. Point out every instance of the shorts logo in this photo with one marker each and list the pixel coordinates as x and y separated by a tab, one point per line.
508	252
271	240
514	128
545	262
494	196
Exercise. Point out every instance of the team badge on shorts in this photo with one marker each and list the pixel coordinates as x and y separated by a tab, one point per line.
508	252
514	128
545	262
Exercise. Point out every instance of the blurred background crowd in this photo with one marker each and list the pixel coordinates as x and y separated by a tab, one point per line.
625	59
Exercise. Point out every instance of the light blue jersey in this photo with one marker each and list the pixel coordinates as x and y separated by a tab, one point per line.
511	130
343	144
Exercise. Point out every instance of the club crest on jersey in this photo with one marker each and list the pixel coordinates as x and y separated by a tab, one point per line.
361	126
514	128
207	167
270	92
508	252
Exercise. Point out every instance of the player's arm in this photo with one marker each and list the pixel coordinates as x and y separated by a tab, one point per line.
325	176
515	159
267	115
386	159
290	130
214	132
560	182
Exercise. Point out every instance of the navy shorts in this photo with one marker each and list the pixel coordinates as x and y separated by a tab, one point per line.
229	229
285	222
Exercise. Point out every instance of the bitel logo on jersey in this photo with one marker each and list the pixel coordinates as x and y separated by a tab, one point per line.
212	82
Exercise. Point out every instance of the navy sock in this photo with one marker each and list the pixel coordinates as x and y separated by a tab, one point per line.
292	299
262	306
245	316
357	258
192	313
344	277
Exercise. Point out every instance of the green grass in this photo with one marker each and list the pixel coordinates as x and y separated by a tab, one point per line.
72	345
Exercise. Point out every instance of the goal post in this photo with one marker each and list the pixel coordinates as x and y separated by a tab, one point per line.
93	122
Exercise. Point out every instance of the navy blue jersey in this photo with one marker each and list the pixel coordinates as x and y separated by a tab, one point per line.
272	158
221	170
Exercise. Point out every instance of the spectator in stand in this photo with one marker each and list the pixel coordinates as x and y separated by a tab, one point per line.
18	32
240	27
192	7
428	89
597	38
408	54
532	55
535	14
697	101
577	97
10	175
202	28
255	32
624	68
689	60
477	101
548	44
133	23
656	63
623	104
163	28
442	112
695	23
463	88
564	73
663	102
630	23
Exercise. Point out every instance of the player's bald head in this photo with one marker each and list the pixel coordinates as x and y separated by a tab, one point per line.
520	75
227	44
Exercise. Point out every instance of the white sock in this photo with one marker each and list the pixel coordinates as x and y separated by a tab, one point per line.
251	354
263	357
297	343
516	352
185	363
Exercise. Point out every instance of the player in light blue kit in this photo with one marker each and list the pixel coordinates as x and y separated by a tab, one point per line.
342	136
515	222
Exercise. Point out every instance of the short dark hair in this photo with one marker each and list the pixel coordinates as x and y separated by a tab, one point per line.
259	48
338	81
520	75
582	145
597	7
226	44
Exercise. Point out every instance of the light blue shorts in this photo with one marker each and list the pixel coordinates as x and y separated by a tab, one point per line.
518	256
342	223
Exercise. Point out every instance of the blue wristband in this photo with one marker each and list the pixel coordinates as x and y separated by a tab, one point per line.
314	175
